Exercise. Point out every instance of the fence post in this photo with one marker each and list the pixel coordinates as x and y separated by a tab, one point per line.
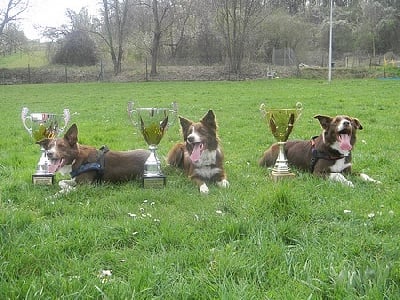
147	72
66	73
29	73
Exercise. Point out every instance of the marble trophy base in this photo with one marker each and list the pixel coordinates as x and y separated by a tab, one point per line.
43	179
154	181
281	170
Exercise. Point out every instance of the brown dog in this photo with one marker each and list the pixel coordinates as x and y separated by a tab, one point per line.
328	154
200	155
86	164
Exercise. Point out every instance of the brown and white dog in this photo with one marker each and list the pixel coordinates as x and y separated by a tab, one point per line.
328	154
200	155
86	164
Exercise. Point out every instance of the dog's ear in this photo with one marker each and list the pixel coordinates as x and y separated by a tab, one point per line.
185	123
356	123
209	120
325	121
72	135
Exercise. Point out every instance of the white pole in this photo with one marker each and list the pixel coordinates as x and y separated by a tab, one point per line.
330	44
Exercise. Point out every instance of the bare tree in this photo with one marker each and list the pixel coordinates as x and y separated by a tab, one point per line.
160	11
11	12
115	15
235	18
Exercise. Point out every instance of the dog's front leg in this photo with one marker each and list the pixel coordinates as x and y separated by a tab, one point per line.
340	178
204	189
223	183
67	185
365	177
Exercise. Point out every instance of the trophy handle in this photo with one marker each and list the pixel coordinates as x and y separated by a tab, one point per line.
24	117
299	107
131	111
67	117
262	110
173	112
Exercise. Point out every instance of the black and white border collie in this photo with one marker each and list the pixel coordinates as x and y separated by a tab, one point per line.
200	154
328	154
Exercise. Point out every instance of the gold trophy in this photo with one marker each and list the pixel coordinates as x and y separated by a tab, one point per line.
281	122
152	123
41	126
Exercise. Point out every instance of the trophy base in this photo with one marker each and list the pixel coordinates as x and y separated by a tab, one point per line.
154	182
43	179
281	176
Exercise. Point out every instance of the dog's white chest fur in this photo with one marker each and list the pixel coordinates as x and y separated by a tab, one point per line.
339	166
205	166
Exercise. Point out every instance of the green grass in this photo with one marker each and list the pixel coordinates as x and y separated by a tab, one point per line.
255	240
32	58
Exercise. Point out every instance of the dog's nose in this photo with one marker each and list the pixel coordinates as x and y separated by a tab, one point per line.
190	138
346	123
50	154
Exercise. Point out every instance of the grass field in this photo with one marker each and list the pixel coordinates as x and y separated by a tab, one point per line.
33	58
302	239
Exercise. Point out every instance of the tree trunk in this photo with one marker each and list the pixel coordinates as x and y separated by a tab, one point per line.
156	39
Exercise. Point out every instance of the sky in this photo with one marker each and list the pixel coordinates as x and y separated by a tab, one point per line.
51	13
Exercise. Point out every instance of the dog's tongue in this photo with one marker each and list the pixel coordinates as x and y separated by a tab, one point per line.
344	141
195	156
54	165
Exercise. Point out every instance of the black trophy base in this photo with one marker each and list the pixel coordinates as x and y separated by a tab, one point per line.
43	179
154	182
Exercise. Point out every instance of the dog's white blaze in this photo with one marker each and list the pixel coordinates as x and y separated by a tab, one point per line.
53	149
341	124
195	136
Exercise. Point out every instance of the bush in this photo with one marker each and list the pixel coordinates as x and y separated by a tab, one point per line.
77	48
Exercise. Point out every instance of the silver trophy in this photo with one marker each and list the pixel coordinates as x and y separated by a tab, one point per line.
281	122
41	126
152	123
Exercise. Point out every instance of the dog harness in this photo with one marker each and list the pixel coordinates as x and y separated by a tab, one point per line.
316	155
97	166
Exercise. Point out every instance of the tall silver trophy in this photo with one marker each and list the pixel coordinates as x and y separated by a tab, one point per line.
152	123
41	126
281	122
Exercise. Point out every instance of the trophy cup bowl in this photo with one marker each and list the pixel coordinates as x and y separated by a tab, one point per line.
41	126
152	123
281	122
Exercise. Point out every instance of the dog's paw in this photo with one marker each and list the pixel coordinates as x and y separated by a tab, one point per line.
204	189
338	177
365	177
223	183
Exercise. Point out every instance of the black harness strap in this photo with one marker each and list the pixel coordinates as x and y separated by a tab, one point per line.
97	166
317	155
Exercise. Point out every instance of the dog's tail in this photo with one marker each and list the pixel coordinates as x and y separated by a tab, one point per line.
269	157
